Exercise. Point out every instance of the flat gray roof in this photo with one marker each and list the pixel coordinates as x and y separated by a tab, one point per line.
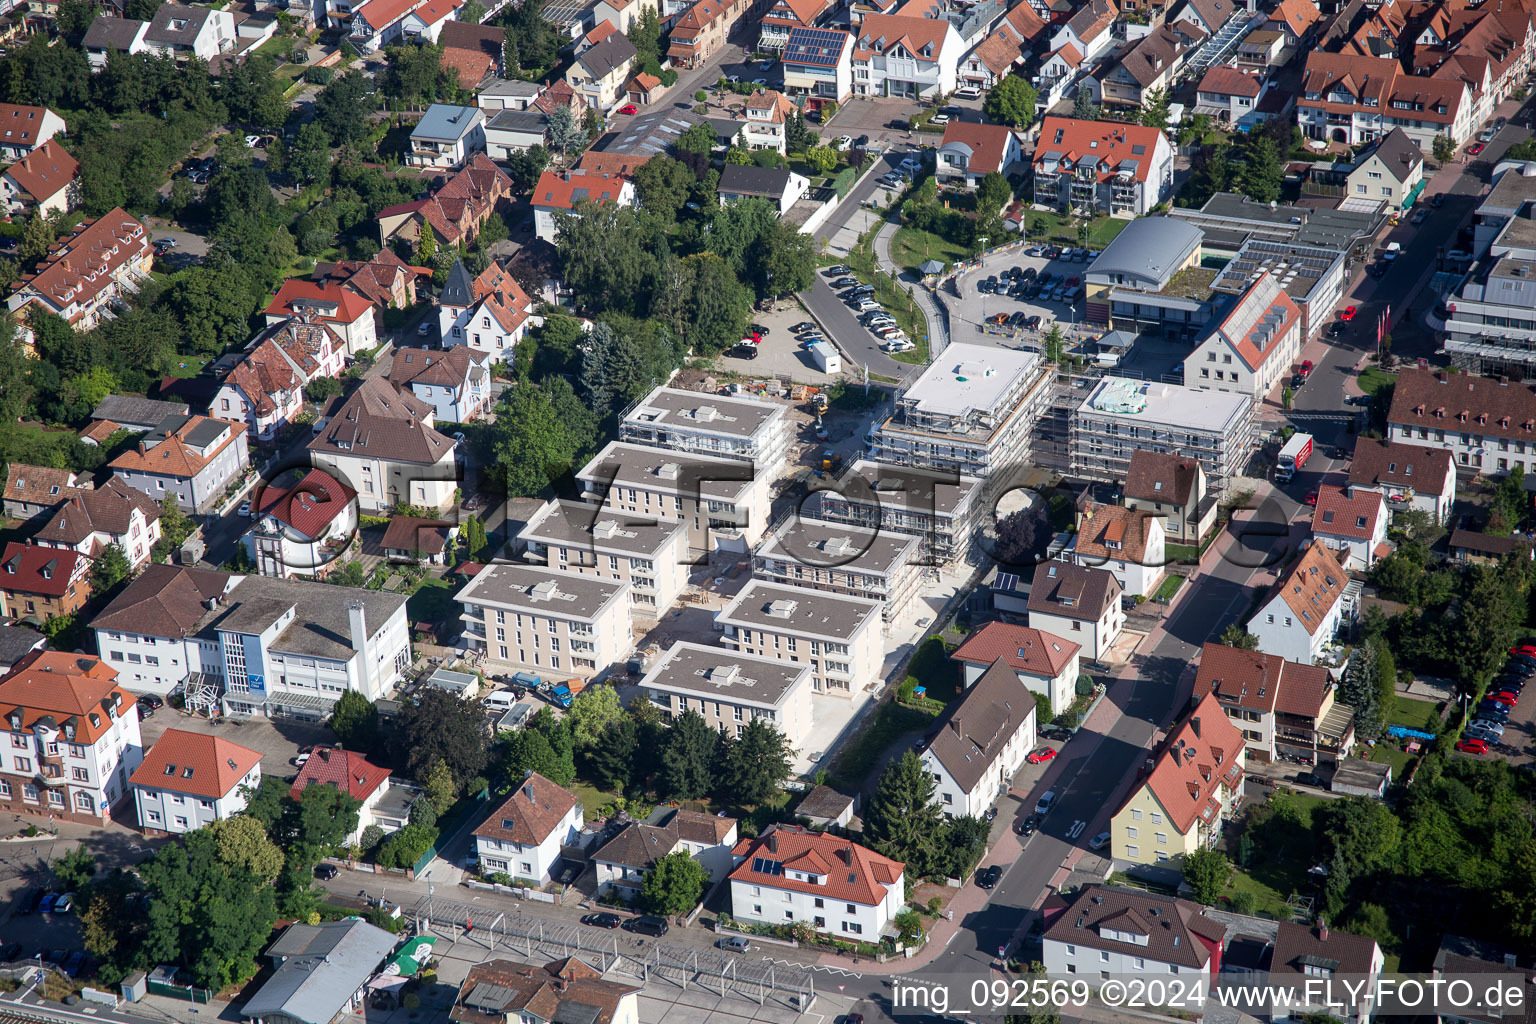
670	472
706	414
780	609
907	487
324	965
817	543
968	377
1182	408
1509	193
590	525
721	672
447	121
542	591
321	626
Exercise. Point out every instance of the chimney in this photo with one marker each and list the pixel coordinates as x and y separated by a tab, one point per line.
1194	723
368	668
773	842
1322	930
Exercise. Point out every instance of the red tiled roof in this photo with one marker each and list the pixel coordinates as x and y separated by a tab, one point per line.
344	769
195	763
1111	144
20	123
559	191
471	66
84	265
31	569
1033	651
1342	514
988	143
1225	80
350	307
1114	532
1202	756
879	33
1312	586
858	875
1461	402
172	456
310	505
533	811
44	171
67	688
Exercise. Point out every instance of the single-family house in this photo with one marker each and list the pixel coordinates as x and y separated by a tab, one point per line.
488	314
384	801
343	310
263	390
89	521
24	129
195	459
557	191
424	22
32	490
972	150
190	33
1045	663
191	779
454	381
623	862
16	642
1107	929
1296	20
383	445
1305	608
1354	523
1086	32
623	15
766	113
1210	16
522	837
784	16
818	65
43	181
513	131
779	185
1172	487
109	34
447	136
301	529
1079	603
384	279
1390	170
1193	789
565	990
599	72
416	540
1284	710
1129	543
1409	476
1231	95
1145	66
455	212
982	739
791	874
38	583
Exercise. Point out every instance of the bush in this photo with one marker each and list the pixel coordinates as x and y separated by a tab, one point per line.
319	76
1069	719
1084	685
1244	902
701	96
412	1001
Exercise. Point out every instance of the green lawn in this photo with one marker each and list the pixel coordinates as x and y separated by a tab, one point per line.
1044	225
1407	711
432	601
1268	902
912	247
188	366
1374	378
1386	752
891	294
1170	586
859	757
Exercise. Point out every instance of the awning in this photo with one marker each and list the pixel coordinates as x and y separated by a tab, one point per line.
1414	193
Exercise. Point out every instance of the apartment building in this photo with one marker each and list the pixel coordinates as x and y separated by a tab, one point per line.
723	501
190	779
1111	167
24	129
1490	318
940	509
649	554
1173	488
728	689
1128	543
1045	663
1252	349
758	432
906	56
345	311
1282	708
1122	415
982	739
1193	790
1488	426
789	874
1354	98
784	16
195	459
90	521
838	637
263	390
546	621
85	273
972	411
523	836
1081	604
40	583
818	65
382	444
490	314
1306	607
839	558
456	382
253	645
302	529
1103	931
560	192
701	30
74	739
599	72
1409	476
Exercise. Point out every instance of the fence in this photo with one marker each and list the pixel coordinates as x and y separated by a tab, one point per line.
447	828
190	993
511	929
722	974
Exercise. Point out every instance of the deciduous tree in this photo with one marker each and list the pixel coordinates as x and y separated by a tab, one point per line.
1011	102
1206	871
243	842
674	885
438	726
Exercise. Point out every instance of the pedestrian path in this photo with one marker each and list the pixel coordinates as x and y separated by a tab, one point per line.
938	321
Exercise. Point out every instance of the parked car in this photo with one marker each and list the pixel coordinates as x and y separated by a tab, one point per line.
602	920
988	877
1472	746
1311	779
1310	500
801	328
627	109
1099	841
74	963
1041	755
326	872
839	269
27	903
1045	803
1348	314
1476	148
735	943
648	925
1027	827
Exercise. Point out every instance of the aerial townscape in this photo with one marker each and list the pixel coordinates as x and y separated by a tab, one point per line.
785	511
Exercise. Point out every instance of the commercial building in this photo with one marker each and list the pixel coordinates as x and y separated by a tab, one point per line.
1045	663
1306	607
758	432
253	645
1102	166
982	739
1409	476
723	501
940	509
546	620
1078	603
74	738
1490	321
523	836
1252	349
1149	280
838	558
649	554
1123	415
972	412
790	874
1488	426
190	779
321	972
729	689
1284	710
1193	789
838	637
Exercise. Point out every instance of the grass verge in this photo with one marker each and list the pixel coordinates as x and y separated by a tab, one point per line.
912	247
1373	378
891	294
1046	226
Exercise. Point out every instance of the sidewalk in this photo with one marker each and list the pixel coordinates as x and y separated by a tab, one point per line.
938	322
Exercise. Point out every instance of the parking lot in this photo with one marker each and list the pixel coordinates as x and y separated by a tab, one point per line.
972	309
778	352
277	740
1501	726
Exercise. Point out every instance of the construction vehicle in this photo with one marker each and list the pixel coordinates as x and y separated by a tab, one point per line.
830	460
819	402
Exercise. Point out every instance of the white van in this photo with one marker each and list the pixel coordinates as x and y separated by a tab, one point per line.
499	702
968	92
